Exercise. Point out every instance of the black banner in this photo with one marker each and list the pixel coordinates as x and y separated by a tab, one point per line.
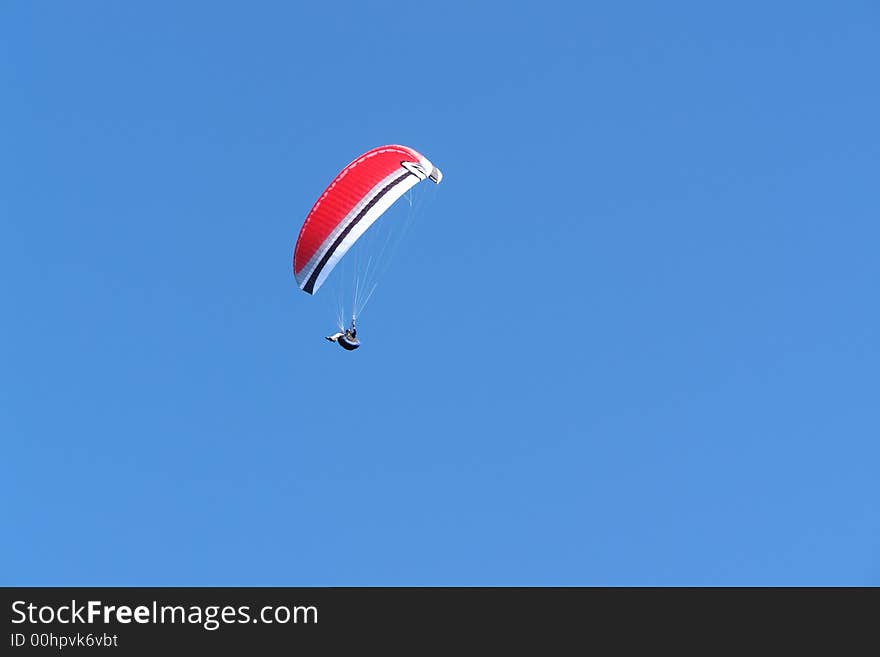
155	621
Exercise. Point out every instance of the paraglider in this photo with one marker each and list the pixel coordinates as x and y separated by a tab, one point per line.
355	200
347	339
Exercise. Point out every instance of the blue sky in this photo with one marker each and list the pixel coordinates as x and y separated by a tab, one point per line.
649	281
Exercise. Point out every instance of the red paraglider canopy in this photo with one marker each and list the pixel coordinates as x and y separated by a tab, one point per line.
355	199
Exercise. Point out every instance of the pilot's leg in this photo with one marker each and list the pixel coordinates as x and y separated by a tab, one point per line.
334	337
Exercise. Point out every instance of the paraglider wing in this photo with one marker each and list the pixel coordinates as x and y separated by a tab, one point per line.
355	199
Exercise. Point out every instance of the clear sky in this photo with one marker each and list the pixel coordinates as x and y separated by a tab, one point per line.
634	339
